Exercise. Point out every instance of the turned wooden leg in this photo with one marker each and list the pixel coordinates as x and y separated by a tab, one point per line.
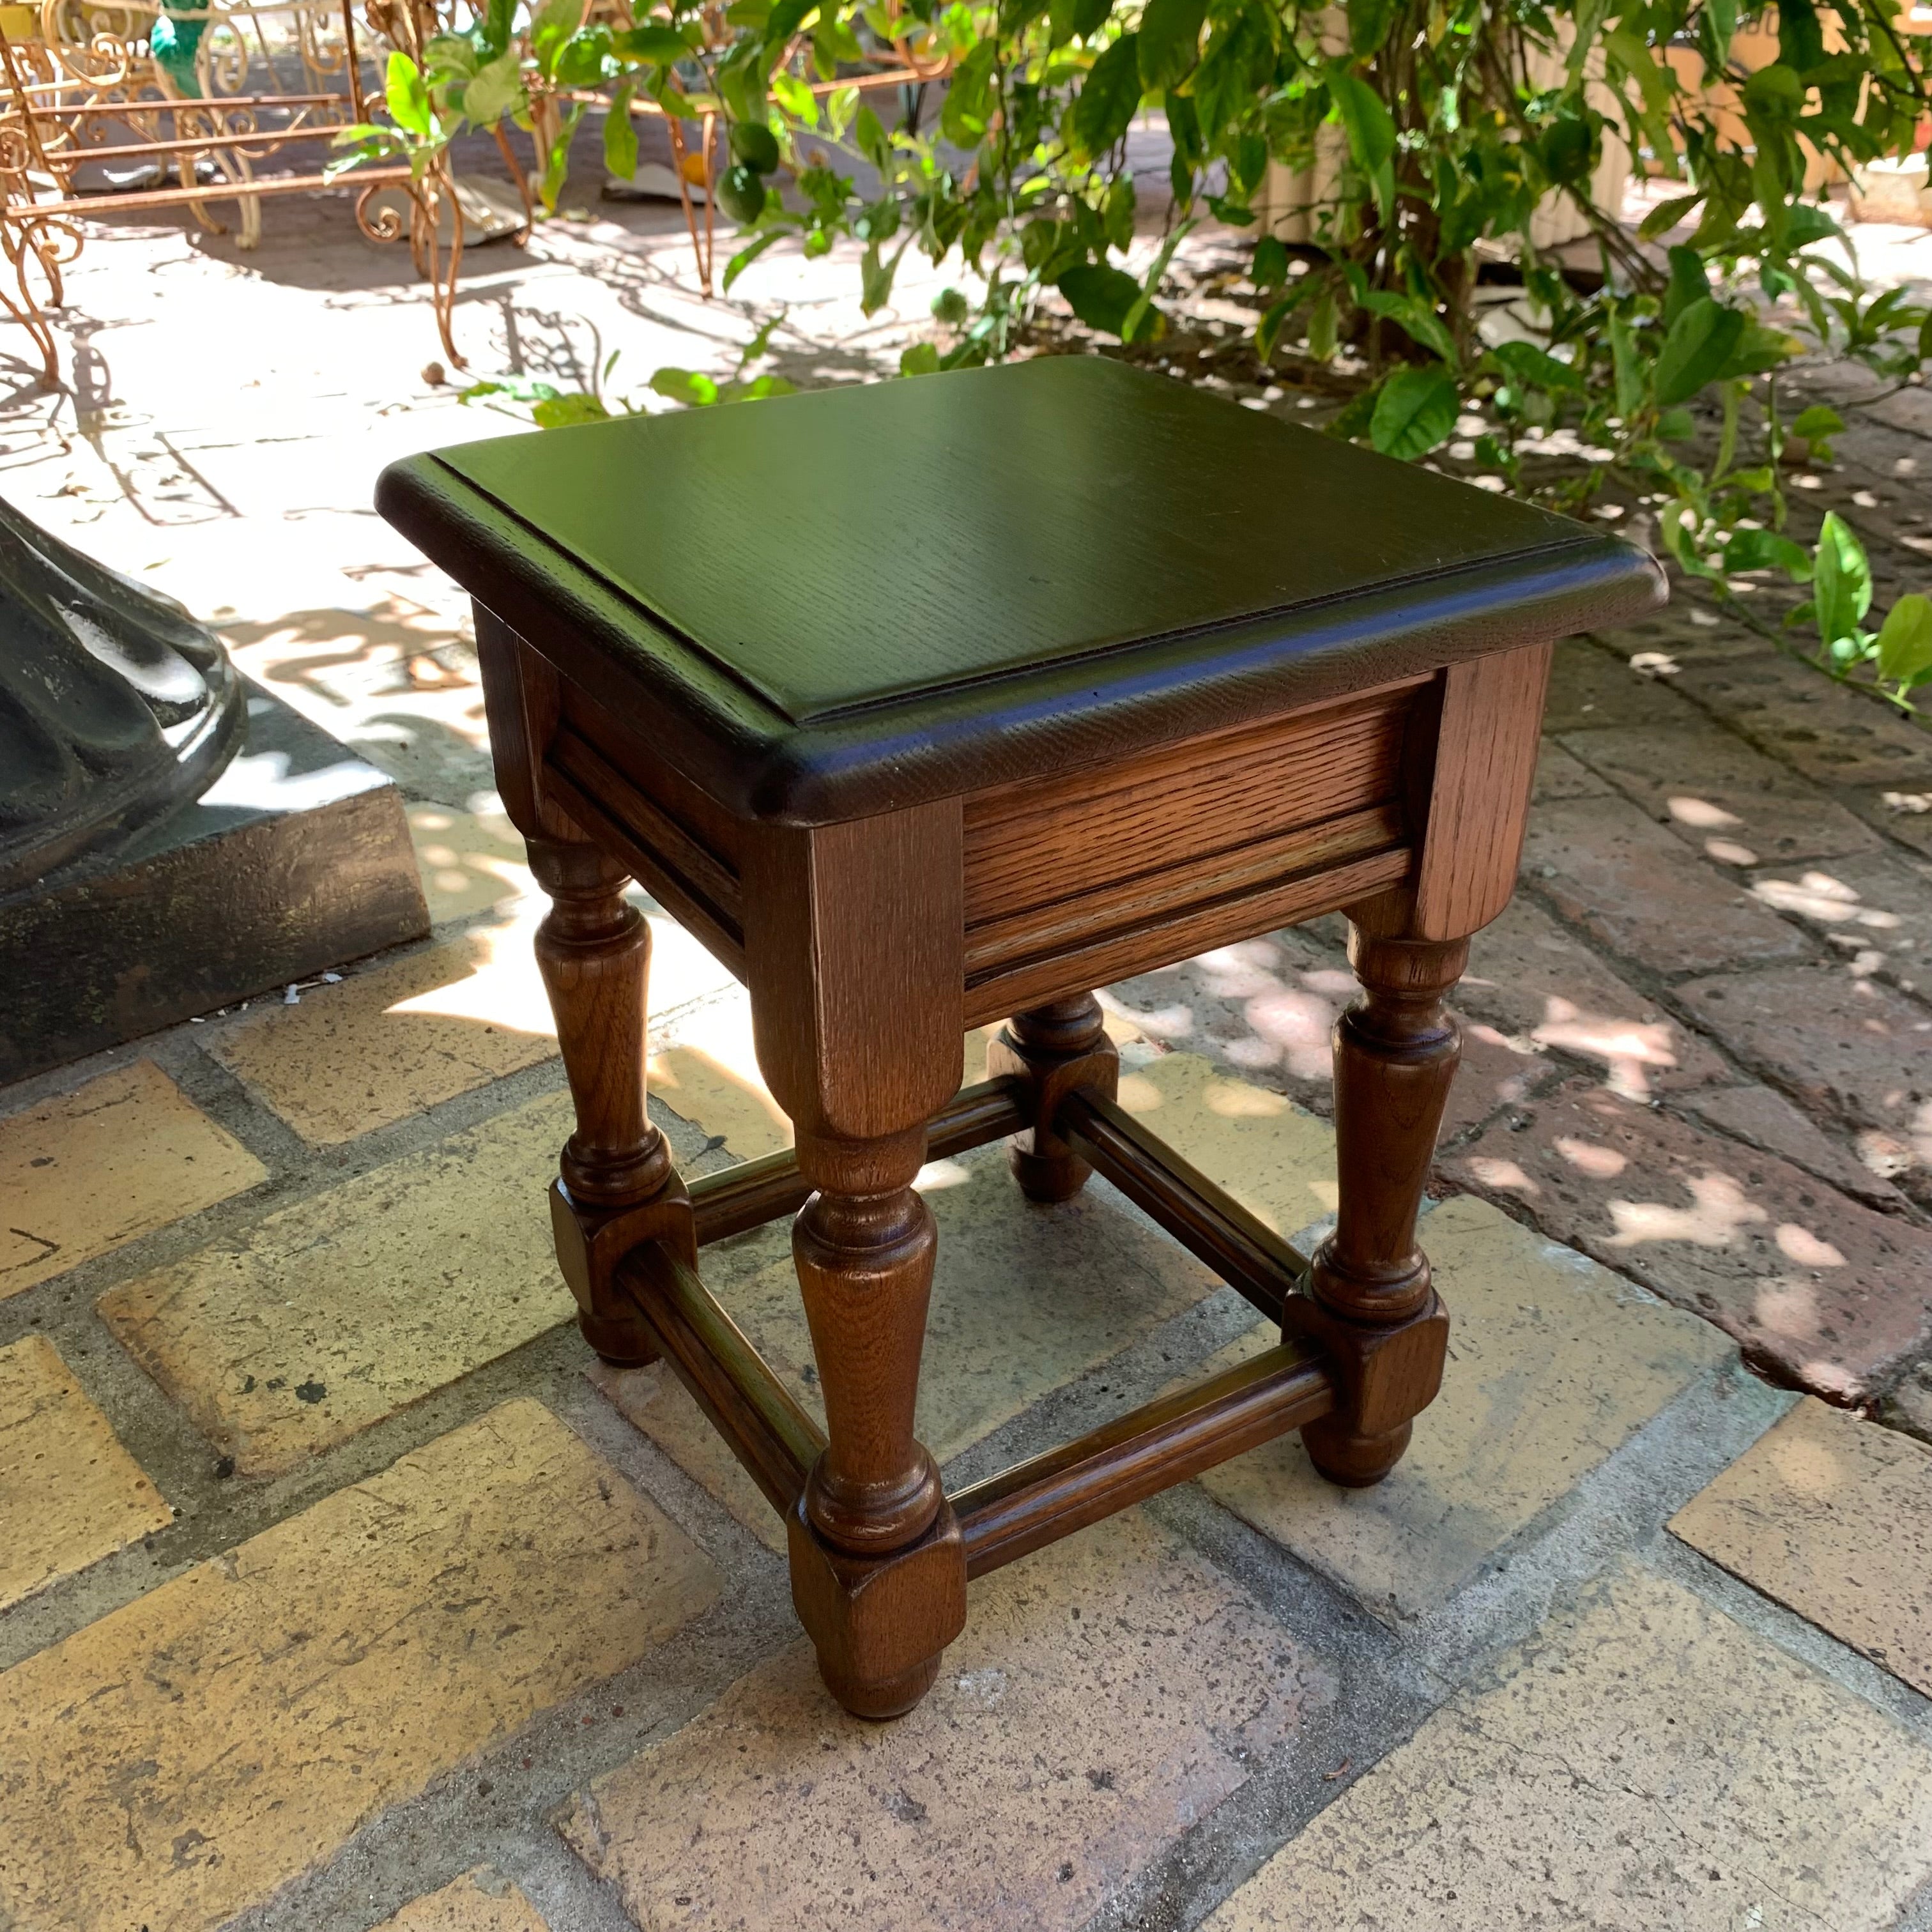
864	1245
1368	1297
1057	1048
617	1185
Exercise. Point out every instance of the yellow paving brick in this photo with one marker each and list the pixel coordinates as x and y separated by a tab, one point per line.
653	1399
1641	1764
1832	1516
1553	1363
479	1901
392	1040
69	1493
193	1751
1106	1693
1276	1160
468	861
334	1312
119	1157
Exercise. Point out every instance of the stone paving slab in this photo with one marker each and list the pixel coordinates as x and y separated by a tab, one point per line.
1817	1286
1554	1363
1641	1762
1831	1516
1559	774
1827	734
1612	871
1590	688
69	1493
1533	978
1762	1117
90	1171
481	1900
1876	908
1264	1009
327	1316
1107	1693
1850	1047
237	1723
1730	803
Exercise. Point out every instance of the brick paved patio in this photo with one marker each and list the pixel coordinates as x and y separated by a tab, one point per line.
342	1589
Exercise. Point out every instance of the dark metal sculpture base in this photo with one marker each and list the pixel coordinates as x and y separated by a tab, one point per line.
297	859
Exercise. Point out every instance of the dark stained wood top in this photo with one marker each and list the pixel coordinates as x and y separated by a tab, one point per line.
832	604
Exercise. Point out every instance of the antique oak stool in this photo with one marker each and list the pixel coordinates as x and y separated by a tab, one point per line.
940	701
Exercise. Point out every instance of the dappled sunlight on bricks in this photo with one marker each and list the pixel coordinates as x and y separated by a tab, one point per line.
1803	1274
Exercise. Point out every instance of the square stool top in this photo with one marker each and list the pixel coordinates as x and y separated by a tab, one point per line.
826	605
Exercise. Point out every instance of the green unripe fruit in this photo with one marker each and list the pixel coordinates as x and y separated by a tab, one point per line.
741	194
756	146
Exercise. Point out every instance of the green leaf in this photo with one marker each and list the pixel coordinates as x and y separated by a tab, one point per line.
1842	584
1077	19
1774	94
1321	327
875	279
1530	366
1676	426
747	255
1695	349
1102	296
1268	331
499	17
797	98
494	90
405	96
557	169
1170	41
1666	215
620	135
552	29
1415	410
563	411
1118	216
869	136
969	99
756	389
1904	647
1370	130
653	44
921	359
1107	99
1801	37
1627	367
1766	549
688	386
1818	422
1689	282
1805	223
1269	269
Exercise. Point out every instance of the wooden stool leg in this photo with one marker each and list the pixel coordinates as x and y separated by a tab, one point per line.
854	938
865	1245
1057	1048
594	952
1369	1299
